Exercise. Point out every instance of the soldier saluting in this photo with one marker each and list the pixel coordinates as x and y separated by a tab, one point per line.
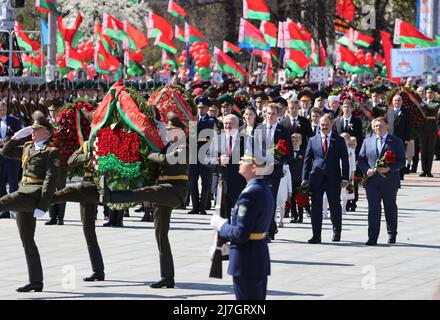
41	164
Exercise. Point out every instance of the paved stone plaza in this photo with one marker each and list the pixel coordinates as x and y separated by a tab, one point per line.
346	270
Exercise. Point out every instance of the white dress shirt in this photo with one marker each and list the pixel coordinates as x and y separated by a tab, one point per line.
39	144
3	128
380	141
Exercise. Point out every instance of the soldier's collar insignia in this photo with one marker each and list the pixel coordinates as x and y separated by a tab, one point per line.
242	209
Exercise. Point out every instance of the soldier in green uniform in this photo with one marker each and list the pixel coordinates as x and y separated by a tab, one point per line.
169	193
86	193
429	130
41	164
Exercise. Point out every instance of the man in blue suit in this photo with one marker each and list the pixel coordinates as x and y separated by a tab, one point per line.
249	261
382	184
267	137
322	172
9	169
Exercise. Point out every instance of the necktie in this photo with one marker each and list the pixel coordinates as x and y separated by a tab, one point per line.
294	124
396	114
324	145
230	146
346	125
379	146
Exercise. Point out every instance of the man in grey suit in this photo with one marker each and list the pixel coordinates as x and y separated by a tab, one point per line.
383	183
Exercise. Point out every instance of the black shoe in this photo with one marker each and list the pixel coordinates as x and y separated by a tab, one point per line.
423	174
294	220
95	277
314	240
336	237
413	170
126	214
140	209
203	212
147	217
36	287
167	282
300	220
371	243
5	215
60	222
429	175
392	240
51	222
192	212
107	224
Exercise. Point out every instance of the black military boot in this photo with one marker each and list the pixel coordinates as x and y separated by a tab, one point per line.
96	276
35	286
165	282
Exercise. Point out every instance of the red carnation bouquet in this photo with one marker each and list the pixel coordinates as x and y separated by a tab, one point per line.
388	158
281	149
288	205
302	197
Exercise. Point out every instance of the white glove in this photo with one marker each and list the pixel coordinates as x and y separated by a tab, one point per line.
217	222
22	133
39	213
225	249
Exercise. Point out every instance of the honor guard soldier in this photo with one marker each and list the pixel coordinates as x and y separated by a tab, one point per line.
169	193
305	102
251	217
41	164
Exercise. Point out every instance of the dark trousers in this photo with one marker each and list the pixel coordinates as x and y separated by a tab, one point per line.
162	217
88	216
402	170
274	185
57	210
377	193
427	138
26	224
204	172
333	192
250	288
9	171
297	212
415	159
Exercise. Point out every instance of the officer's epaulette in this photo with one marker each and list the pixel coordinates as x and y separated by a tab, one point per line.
28	143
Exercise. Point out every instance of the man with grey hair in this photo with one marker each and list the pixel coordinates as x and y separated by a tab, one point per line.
333	106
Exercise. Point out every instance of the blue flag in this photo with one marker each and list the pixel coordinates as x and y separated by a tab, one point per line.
44	32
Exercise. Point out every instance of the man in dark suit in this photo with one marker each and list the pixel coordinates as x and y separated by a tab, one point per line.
295	123
399	124
267	136
9	168
383	183
226	150
349	124
322	172
296	168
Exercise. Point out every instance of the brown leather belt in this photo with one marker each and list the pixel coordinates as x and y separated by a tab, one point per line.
166	178
30	180
257	236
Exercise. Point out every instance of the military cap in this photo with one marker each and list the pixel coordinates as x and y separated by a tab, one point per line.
242	92
226	99
174	122
260	96
320	94
430	87
305	95
381	88
54	104
213	108
40	121
203	102
274	92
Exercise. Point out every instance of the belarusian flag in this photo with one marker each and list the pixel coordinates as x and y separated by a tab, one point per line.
24	42
105	39
297	37
73	58
250	37
297	62
270	32
170	59
347	60
179	33
379	60
346	9
133	65
255	9
113	27
323	59
47	6
165	43
32	62
230	47
315	52
157	25
406	33
387	46
105	62
226	64
175	10
68	34
360	39
193	35
136	38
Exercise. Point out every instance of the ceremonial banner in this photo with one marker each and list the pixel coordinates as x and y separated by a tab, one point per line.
319	75
415	62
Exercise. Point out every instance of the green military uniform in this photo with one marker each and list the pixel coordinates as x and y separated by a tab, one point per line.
40	173
169	193
86	193
428	135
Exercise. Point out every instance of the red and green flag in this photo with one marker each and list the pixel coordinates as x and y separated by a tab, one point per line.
404	33
387	46
179	33
165	43
347	60
358	38
46	6
230	47
346	9
270	32
297	37
136	38
73	58
168	58
192	34
296	62
256	10
113	27
24	42
105	62
226	64
175	10
33	62
379	60
105	39
69	33
323	59
250	37
133	63
315	52
158	25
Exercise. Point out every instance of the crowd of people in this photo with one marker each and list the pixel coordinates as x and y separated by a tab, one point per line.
316	143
